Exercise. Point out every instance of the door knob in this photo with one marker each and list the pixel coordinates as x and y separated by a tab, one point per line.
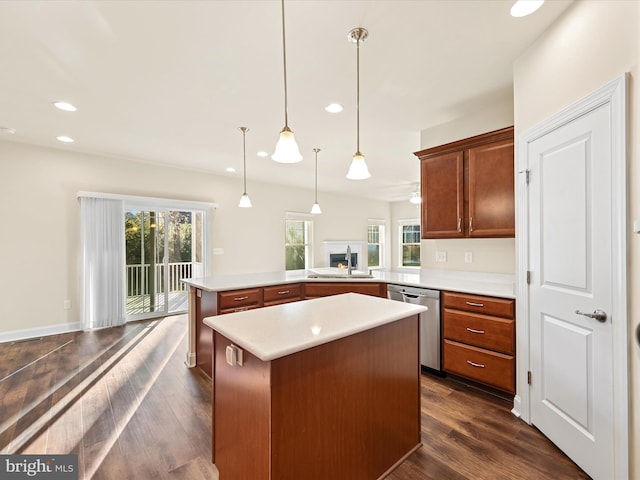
599	315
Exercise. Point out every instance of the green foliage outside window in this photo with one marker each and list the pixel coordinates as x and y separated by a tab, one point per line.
295	244
411	245
373	247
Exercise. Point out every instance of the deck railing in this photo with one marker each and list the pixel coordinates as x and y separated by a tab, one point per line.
138	274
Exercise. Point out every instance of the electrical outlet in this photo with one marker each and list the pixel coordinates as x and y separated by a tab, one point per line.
468	257
218	251
66	305
441	257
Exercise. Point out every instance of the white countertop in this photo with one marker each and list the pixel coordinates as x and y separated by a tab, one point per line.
491	284
273	332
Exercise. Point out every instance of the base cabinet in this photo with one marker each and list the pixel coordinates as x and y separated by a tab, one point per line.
479	339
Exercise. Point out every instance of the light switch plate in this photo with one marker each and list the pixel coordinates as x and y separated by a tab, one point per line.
468	257
441	256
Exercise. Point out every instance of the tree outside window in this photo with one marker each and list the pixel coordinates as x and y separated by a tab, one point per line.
410	239
297	244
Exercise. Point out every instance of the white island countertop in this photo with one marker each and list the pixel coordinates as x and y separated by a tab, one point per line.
491	284
273	332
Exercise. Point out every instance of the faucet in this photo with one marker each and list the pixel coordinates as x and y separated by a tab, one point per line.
348	259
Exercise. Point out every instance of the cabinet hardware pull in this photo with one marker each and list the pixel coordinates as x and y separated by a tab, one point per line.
284	292
470	224
474	331
473	364
239	299
473	304
459	224
241	309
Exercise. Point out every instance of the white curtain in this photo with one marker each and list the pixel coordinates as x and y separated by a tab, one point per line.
102	262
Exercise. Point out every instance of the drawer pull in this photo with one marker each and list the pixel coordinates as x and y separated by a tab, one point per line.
241	309
475	331
473	364
283	292
473	304
239	299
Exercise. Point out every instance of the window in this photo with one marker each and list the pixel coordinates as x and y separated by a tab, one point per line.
375	244
410	241
298	242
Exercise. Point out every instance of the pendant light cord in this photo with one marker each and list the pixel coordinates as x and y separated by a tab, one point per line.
358	95
316	150
244	158
284	57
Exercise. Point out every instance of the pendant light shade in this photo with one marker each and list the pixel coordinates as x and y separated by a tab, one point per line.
315	209
287	150
245	201
358	169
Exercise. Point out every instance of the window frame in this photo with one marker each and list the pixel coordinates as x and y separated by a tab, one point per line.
308	233
401	224
381	224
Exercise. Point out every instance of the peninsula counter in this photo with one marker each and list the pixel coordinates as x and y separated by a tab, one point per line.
316	389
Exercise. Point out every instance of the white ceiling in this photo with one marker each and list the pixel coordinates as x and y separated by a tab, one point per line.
169	82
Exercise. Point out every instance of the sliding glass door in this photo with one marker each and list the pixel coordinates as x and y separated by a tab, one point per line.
163	246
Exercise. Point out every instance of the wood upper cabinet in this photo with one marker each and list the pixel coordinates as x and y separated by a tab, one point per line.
467	187
442	181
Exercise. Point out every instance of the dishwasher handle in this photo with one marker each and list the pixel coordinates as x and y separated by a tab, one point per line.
415	295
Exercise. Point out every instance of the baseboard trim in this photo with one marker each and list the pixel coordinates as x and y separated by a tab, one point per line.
191	360
29	333
517	406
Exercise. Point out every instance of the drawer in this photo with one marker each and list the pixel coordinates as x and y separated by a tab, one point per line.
323	289
493	333
238	309
502	307
240	298
491	368
282	292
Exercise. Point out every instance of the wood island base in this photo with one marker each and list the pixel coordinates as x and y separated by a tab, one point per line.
349	408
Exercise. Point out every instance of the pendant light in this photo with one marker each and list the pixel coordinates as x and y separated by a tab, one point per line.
358	169
287	150
315	209
245	201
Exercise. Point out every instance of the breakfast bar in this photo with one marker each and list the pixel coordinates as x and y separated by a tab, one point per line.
316	389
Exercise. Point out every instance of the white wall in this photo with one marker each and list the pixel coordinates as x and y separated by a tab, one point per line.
40	212
489	255
593	43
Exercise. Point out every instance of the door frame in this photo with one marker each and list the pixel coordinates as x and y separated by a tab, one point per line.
615	94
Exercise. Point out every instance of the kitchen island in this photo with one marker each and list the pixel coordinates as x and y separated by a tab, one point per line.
316	389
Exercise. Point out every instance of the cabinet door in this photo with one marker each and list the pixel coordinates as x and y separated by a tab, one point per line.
441	183
491	197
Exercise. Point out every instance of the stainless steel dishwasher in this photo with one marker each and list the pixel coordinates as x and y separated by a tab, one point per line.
429	321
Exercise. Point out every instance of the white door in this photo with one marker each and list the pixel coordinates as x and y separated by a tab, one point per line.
570	258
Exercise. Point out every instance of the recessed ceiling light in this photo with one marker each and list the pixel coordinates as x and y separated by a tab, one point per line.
334	108
263	154
8	130
230	169
67	107
522	8
65	139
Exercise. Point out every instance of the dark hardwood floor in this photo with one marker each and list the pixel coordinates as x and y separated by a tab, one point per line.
125	403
